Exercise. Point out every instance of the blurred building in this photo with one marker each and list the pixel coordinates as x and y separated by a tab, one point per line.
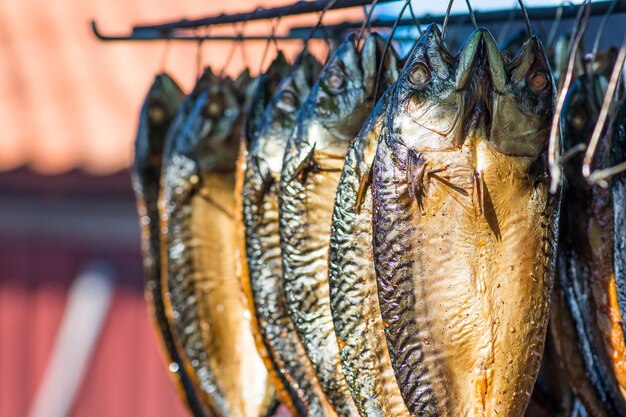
68	110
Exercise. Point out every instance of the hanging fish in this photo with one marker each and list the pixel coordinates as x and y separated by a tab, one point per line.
353	293
267	85
329	120
157	113
205	303
464	228
286	355
580	314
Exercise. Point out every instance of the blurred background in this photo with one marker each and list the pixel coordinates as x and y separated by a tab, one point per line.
74	333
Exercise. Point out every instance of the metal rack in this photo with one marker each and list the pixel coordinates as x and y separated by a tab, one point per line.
182	30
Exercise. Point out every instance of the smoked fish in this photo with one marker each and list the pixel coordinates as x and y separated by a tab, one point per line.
329	120
464	226
205	301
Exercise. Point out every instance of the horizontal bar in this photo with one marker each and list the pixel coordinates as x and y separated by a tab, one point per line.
146	35
300	7
504	15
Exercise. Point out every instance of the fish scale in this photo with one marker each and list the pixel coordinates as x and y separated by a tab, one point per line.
158	112
260	214
464	229
353	293
330	119
206	306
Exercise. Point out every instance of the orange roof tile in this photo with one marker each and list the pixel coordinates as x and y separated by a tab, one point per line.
68	101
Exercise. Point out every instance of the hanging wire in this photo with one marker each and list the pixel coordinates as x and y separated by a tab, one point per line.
328	6
447	17
471	13
555	26
600	176
416	21
387	46
605	19
526	18
366	22
506	28
445	20
554	151
164	55
271	38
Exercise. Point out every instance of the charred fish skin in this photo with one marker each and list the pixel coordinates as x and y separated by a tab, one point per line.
204	296
353	292
464	229
574	314
329	120
618	191
157	113
285	354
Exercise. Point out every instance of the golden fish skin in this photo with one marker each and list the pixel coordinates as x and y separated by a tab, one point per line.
353	292
464	229
206	305
286	355
277	72
330	119
157	113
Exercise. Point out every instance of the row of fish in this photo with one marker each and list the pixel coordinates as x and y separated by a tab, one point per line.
376	236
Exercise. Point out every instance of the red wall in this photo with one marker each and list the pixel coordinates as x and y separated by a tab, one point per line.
126	376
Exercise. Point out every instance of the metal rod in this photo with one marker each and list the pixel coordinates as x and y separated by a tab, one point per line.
161	30
185	36
494	16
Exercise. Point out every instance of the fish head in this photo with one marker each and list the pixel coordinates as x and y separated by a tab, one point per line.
519	114
210	135
157	113
426	108
264	89
279	118
344	95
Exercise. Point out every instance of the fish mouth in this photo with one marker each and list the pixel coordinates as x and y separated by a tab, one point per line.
487	77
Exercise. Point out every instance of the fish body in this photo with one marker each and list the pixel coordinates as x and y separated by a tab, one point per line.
464	228
581	317
286	357
353	292
331	117
258	94
157	113
205	303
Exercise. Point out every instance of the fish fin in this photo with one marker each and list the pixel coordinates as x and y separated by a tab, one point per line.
478	193
415	169
364	185
304	166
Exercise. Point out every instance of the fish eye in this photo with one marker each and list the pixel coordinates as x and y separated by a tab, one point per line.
214	108
156	113
538	82
335	81
420	75
288	101
578	121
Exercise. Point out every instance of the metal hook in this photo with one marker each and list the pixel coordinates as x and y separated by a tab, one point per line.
269	42
366	22
526	18
328	6
471	13
447	17
387	46
558	17
554	151
507	25
600	176
605	19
